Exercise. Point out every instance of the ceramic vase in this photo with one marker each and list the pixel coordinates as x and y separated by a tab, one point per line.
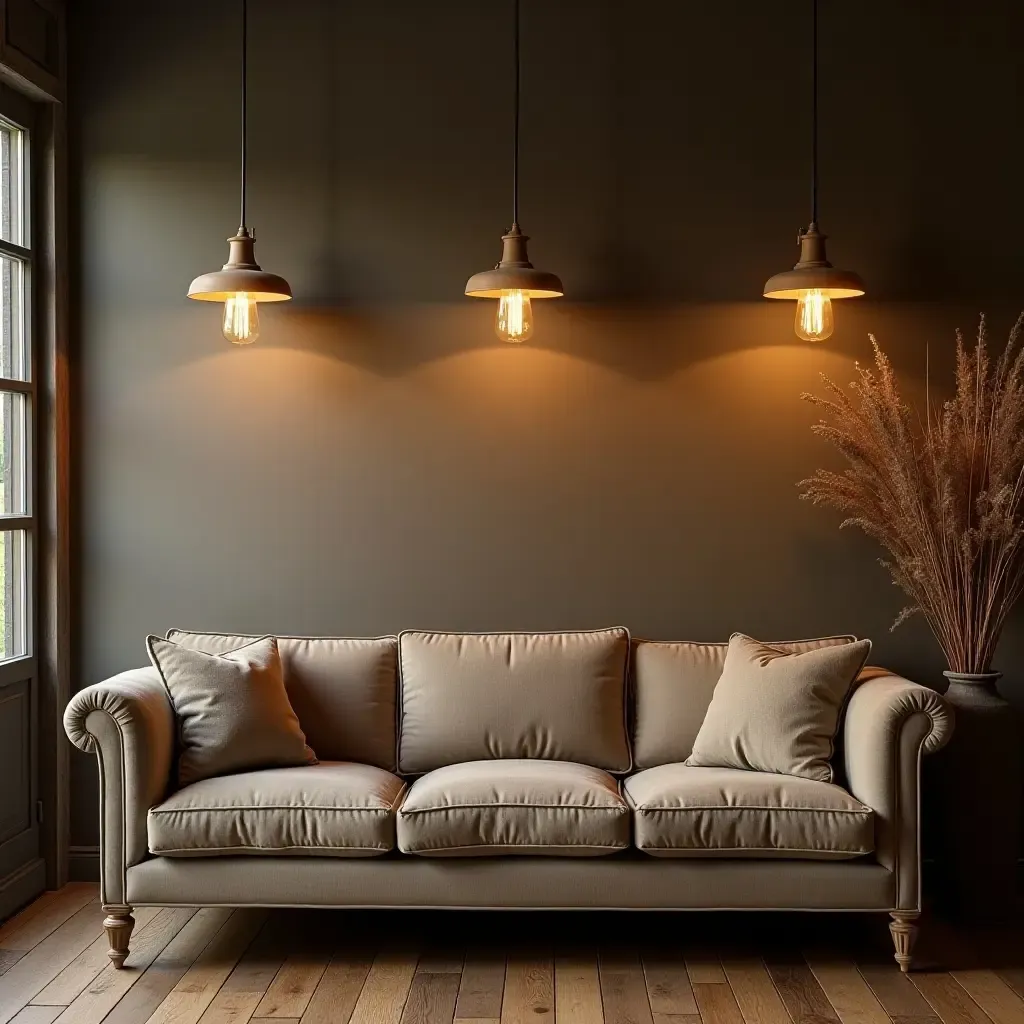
979	797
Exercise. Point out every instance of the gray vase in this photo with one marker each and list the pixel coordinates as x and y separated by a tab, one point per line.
979	800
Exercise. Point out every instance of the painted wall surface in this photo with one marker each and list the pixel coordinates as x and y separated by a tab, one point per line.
379	460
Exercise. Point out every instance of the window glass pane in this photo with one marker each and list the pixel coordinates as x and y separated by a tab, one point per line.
11	201
12	454
13	347
12	593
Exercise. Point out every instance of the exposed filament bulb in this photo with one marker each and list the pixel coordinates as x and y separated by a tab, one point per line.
514	320
241	324
814	316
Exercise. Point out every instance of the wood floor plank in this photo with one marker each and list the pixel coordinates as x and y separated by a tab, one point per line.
89	963
99	997
290	992
481	988
170	965
992	994
529	990
196	988
668	984
46	915
948	999
335	997
704	968
1013	976
577	990
431	999
800	992
624	990
847	991
754	991
895	991
384	993
9	957
37	1015
676	1018
246	985
441	961
717	1003
18	920
47	959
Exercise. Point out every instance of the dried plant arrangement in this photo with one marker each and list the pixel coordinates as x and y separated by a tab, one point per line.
941	492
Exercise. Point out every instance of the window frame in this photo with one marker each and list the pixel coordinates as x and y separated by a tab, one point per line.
18	112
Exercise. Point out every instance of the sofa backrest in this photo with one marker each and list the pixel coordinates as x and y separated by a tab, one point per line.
672	687
472	696
343	690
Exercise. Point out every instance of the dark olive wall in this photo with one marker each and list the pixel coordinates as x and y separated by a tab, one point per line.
379	460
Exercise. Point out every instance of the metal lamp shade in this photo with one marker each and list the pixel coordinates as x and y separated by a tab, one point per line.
490	284
222	284
836	284
515	272
813	272
241	273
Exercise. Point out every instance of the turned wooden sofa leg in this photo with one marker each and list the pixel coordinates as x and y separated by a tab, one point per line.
904	934
118	925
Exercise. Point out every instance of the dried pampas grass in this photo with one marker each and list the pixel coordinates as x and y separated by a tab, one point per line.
942	495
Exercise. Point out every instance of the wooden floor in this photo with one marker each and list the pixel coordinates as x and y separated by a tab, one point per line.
216	966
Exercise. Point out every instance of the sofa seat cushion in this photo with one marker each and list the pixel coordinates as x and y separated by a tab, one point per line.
491	808
332	809
726	812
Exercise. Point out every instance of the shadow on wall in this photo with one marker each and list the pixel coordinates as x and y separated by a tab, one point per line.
641	343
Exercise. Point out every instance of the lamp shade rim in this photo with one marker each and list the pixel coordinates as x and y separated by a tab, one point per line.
537	284
835	283
259	285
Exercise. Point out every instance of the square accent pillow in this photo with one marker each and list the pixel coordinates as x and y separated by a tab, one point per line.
778	712
232	711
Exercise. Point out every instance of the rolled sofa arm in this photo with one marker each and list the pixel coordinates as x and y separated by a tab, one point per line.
129	722
889	724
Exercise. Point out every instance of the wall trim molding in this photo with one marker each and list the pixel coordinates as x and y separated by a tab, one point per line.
84	863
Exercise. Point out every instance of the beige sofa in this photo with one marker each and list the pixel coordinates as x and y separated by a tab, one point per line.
507	771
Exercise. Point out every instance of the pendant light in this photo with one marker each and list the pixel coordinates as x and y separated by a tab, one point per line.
814	282
241	283
514	282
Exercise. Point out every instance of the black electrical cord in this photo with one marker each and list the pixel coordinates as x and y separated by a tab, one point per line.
515	121
814	111
245	54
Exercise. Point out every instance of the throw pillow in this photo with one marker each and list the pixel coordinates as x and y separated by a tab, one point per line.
232	710
778	712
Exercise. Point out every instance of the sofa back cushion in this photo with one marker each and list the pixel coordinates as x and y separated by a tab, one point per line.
343	690
673	683
472	696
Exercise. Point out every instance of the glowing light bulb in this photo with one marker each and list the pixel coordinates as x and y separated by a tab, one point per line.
814	316
514	319
241	319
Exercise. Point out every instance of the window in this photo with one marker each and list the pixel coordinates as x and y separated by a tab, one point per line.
17	390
